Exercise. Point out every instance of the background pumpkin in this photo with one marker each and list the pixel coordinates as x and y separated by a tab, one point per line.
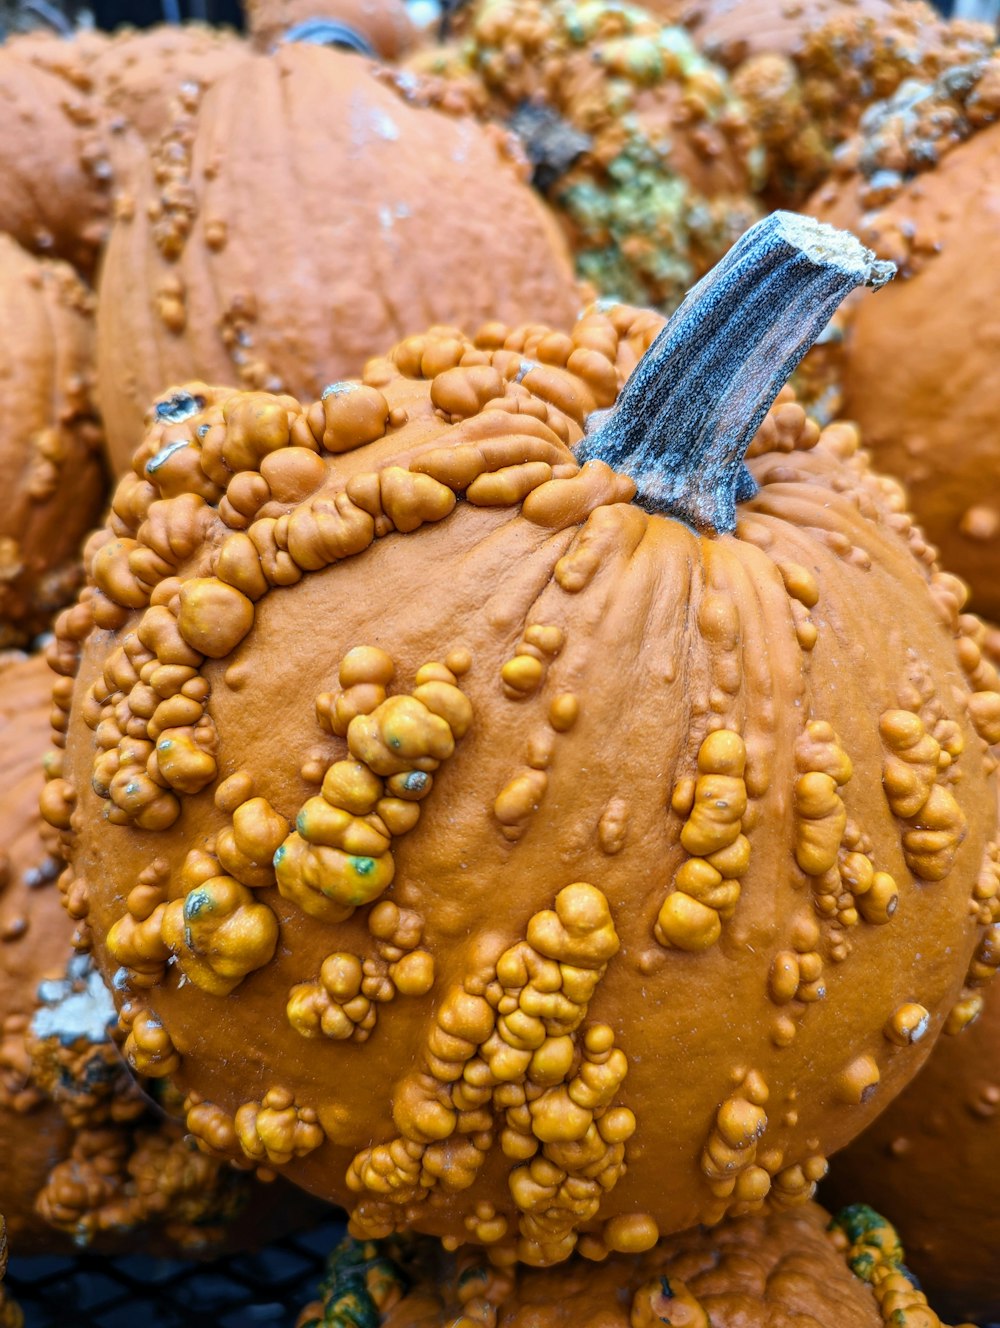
51	471
85	1162
933	1154
637	141
785	1270
61	144
55	170
136	75
680	964
807	71
922	376
239	258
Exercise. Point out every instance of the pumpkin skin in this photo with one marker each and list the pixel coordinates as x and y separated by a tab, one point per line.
932	1155
137	74
222	283
806	72
923	190
51	470
132	76
55	170
809	993
639	145
65	104
85	1161
383	25
783	1270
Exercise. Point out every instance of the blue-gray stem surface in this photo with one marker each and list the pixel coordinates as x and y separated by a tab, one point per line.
687	415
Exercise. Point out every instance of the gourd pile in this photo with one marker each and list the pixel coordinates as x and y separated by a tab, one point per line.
487	744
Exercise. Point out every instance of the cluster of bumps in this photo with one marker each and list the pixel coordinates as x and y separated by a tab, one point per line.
574	881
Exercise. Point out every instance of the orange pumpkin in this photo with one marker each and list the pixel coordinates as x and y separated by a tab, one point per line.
241	260
923	375
793	1270
648	862
136	75
64	104
374	27
933	1156
84	1160
51	472
132	76
807	71
55	171
637	142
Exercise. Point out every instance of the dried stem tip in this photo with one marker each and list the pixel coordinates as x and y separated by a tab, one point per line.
689	411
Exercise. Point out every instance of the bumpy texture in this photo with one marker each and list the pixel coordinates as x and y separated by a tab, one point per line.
636	139
84	1161
779	1271
806	71
921	371
932	1159
51	474
647	863
136	75
297	223
65	104
55	171
383	26
132	76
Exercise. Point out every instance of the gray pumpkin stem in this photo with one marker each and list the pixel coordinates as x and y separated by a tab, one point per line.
687	415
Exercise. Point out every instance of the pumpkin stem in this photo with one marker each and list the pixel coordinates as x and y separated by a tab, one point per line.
691	407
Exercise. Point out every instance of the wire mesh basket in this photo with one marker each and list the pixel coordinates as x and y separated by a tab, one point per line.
263	1289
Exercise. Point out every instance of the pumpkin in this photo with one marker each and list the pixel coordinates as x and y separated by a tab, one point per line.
10	1315
636	140
85	1162
806	72
51	471
380	28
215	266
643	856
55	171
136	75
64	105
794	1270
922	377
933	1155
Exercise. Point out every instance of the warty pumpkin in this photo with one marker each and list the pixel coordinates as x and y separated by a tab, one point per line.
55	168
136	74
922	377
132	75
85	1162
932	1157
637	141
381	28
51	470
806	71
641	821
786	1270
296	223
64	106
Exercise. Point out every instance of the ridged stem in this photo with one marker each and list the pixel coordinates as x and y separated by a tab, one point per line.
687	415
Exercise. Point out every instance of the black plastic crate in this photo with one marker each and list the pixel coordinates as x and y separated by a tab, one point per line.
263	1289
